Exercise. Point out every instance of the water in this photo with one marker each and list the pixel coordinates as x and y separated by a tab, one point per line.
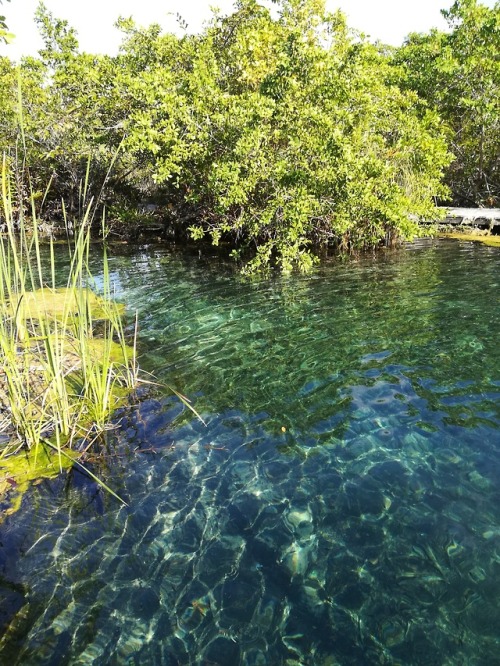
340	507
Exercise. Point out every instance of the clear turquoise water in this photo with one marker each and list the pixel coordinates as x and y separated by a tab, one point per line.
341	505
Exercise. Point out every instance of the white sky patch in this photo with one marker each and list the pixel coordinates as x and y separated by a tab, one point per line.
387	20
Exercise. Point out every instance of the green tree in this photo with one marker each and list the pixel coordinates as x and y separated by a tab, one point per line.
70	117
277	134
458	74
284	134
5	35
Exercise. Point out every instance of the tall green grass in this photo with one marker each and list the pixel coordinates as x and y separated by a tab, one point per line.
66	361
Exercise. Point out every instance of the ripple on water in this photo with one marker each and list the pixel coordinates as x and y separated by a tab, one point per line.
339	507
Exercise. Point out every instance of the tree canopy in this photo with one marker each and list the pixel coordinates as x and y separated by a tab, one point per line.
5	35
273	134
458	74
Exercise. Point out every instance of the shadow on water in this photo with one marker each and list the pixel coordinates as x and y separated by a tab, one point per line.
339	507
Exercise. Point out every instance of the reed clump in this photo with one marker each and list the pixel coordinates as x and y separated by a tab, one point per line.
65	361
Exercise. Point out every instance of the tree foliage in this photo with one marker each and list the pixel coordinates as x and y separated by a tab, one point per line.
5	35
275	133
57	115
458	74
282	133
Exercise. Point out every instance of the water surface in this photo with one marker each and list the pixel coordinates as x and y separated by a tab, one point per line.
340	507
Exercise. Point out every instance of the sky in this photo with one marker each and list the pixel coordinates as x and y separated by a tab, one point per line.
387	20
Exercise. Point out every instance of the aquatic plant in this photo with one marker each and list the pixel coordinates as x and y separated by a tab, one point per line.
66	360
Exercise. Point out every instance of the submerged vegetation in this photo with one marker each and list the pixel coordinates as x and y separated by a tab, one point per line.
276	133
486	239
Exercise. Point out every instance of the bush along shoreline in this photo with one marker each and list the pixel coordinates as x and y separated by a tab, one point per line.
277	133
